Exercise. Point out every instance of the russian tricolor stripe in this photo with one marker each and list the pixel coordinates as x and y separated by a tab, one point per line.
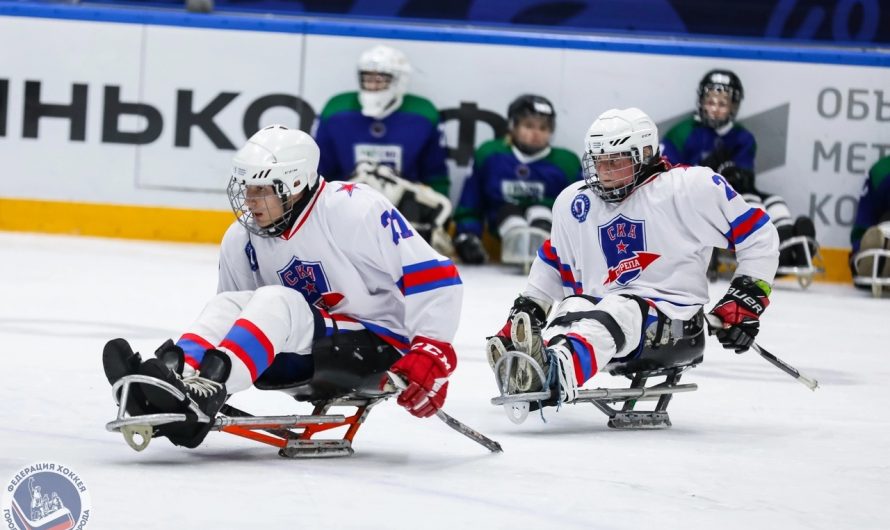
194	347
395	340
339	322
549	255
251	345
428	275
585	362
745	225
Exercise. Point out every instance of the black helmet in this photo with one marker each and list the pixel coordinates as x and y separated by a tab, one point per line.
531	105
720	81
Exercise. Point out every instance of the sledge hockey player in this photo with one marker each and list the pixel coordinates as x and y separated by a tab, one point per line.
713	138
870	237
624	268
514	182
311	269
383	124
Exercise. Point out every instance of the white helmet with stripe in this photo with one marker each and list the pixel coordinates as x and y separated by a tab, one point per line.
617	140
278	159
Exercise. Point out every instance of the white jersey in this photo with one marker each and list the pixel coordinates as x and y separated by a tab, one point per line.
656	244
352	254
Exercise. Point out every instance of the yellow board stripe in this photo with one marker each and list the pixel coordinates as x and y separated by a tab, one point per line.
837	268
199	226
107	220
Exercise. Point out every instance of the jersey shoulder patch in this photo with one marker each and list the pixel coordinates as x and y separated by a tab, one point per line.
566	199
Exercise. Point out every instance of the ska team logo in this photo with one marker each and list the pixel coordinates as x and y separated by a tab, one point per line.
309	279
623	242
45	496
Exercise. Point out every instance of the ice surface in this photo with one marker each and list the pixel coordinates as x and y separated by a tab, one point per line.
751	448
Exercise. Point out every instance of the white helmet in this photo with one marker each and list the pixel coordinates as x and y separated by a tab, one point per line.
618	134
391	63
286	159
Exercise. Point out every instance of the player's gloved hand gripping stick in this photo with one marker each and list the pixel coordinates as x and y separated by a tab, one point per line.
735	320
470	433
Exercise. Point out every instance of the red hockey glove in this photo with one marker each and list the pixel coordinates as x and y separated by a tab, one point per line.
740	310
425	368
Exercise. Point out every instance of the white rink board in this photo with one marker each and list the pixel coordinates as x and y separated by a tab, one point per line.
210	62
51	166
842	107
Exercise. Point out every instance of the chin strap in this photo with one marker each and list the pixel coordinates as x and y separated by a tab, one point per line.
291	216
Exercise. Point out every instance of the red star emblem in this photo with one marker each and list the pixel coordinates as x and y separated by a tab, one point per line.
309	288
622	247
348	188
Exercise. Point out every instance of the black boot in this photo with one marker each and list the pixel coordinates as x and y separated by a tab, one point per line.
787	256
803	226
207	389
119	360
171	355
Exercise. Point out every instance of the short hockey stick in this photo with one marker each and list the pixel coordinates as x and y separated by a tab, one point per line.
812	384
458	426
714	323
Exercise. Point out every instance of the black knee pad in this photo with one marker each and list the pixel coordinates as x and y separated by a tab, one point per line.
349	362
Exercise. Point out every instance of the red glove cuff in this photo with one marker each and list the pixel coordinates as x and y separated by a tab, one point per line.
732	313
442	353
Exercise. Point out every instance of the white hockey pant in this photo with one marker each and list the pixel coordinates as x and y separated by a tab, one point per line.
252	326
612	328
533	215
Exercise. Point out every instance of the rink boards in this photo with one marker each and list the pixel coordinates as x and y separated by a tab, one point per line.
124	123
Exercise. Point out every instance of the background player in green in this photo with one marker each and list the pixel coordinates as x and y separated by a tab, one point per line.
870	236
515	179
713	138
391	140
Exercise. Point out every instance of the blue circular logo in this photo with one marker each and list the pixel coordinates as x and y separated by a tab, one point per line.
378	129
580	207
46	495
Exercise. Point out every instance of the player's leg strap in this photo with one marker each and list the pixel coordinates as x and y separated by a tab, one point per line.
604	318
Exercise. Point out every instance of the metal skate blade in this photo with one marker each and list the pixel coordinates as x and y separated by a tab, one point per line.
520	332
517	412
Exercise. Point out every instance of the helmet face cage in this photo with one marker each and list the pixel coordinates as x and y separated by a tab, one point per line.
383	80
237	192
372	81
719	81
593	166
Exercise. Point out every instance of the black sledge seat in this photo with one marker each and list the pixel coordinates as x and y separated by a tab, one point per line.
345	370
653	361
